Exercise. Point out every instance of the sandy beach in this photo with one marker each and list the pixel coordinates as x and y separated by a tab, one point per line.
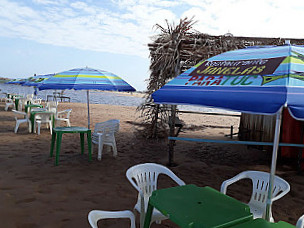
35	193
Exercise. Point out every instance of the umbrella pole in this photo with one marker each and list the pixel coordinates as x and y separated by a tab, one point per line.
273	163
88	103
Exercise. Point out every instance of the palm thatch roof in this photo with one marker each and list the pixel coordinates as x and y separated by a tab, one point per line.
177	48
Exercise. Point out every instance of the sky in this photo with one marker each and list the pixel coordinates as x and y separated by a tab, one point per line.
50	36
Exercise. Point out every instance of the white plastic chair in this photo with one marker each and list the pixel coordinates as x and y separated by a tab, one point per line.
19	121
63	116
52	106
95	215
300	222
260	185
144	177
36	101
44	117
9	103
104	133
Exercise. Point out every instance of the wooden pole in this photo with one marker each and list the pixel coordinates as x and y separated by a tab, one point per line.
155	122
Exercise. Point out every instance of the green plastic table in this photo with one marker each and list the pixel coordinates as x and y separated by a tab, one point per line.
59	131
197	207
29	106
261	223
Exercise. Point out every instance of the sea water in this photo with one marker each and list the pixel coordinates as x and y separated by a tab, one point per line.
99	97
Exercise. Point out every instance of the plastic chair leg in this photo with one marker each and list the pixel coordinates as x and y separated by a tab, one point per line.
114	148
38	126
68	123
51	127
100	147
30	126
34	127
16	127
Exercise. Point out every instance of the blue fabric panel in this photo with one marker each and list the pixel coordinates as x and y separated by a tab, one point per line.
238	99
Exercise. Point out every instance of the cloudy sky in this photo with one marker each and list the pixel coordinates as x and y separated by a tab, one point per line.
49	36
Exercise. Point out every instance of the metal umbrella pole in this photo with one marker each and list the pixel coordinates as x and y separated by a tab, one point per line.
88	104
273	163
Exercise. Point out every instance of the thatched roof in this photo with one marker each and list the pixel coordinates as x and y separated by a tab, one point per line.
198	46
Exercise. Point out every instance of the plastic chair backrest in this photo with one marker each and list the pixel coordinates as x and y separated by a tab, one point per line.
52	106
66	112
145	176
260	186
44	117
96	215
29	96
107	128
260	183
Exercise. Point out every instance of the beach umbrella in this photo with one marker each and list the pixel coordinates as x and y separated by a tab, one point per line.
259	80
16	81
86	79
37	80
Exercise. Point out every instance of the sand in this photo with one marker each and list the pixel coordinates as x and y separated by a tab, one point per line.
35	193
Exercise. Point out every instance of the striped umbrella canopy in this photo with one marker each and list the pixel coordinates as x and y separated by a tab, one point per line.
86	79
16	81
259	80
37	80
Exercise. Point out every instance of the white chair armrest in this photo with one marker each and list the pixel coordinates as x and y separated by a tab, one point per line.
300	222
177	179
19	112
230	181
96	215
282	193
60	112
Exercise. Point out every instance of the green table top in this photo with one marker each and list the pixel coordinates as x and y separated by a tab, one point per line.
70	129
261	223
203	207
41	111
34	105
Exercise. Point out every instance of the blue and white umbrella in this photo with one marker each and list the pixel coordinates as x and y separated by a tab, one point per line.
86	79
37	80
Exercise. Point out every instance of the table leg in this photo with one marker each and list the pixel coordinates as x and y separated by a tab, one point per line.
16	103
148	216
53	144
89	139
32	117
82	142
58	144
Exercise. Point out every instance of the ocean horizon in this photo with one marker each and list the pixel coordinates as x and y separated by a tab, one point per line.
101	97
